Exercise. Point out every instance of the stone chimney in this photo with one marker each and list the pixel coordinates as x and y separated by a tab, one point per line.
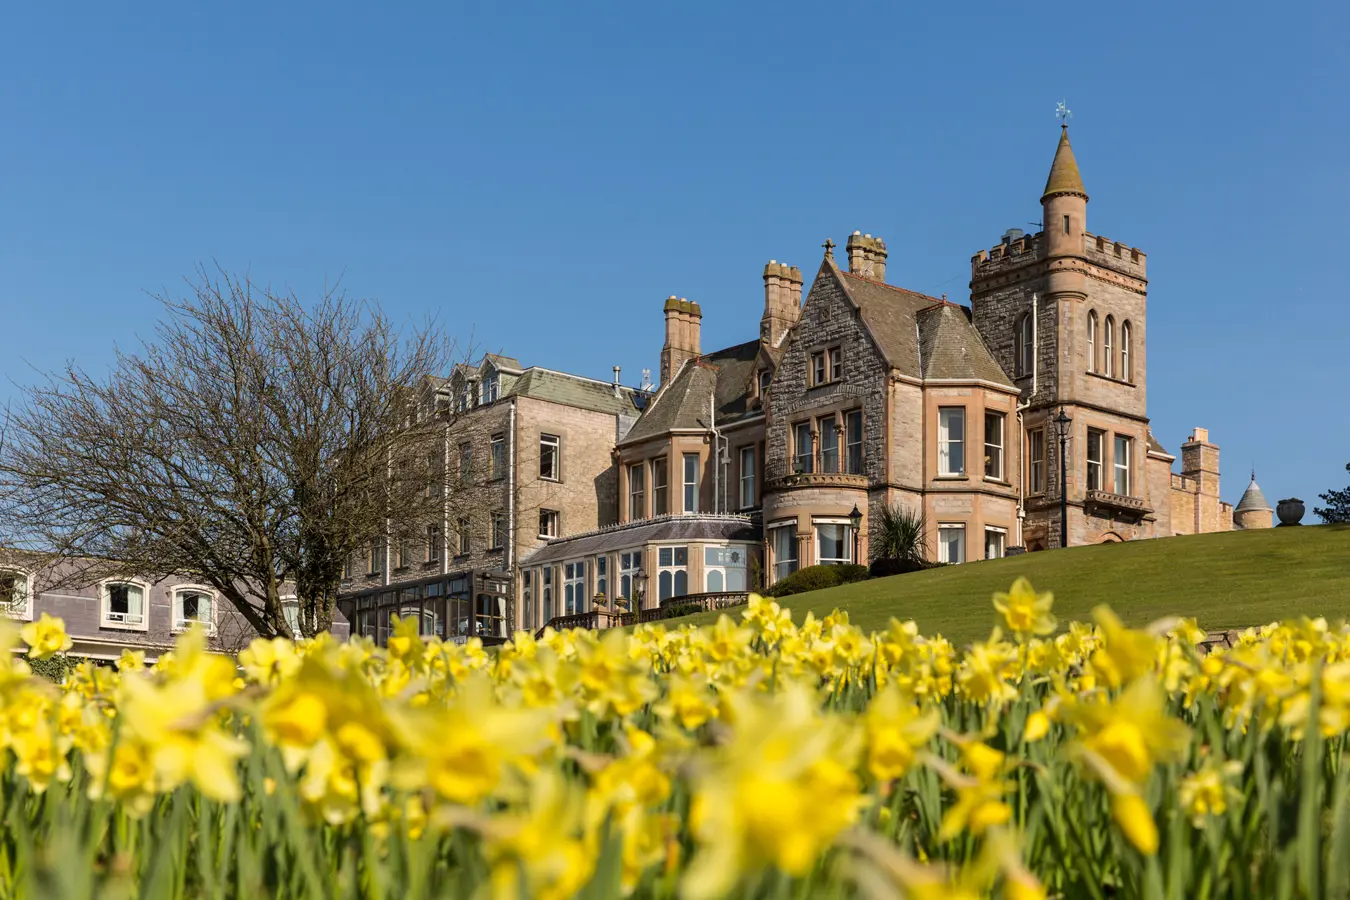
782	301
683	320
866	256
1200	461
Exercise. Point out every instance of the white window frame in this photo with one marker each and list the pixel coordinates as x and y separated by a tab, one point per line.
818	370
782	568
834	360
1001	534
1092	340
1123	465
849	443
574	587
25	581
497	457
496	530
1096	467
674	569
1126	363
993	450
490	388
690	495
846	527
126	623
951	451
555	442
290	611
724	567
1108	362
630	563
944	547
435	542
550	523
747	479
180	623
637	491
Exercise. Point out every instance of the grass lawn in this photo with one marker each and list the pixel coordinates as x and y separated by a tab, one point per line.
1225	580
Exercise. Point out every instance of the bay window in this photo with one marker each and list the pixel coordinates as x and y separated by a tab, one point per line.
747	477
724	569
783	542
637	495
993	445
829	444
691	482
952	543
672	572
853	438
952	440
660	488
834	542
803	448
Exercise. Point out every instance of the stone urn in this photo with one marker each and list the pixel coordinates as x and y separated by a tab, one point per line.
1290	511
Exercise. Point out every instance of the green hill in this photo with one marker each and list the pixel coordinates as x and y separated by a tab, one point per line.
1224	580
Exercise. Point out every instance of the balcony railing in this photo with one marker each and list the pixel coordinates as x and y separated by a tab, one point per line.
1118	502
598	619
818	479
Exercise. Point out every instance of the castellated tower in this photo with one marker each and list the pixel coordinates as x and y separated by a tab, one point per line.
1063	311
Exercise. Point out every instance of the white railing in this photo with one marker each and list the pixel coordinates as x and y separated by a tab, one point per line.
125	618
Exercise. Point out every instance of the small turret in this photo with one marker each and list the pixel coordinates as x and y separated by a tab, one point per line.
1253	510
1064	202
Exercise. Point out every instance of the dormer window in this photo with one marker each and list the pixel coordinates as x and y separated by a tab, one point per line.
765	376
124	605
192	605
16	594
490	387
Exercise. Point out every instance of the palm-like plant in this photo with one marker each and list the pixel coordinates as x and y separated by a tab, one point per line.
902	534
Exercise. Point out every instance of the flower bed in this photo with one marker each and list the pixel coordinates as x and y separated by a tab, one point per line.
756	757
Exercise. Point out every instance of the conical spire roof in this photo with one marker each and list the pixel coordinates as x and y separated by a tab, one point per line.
1064	177
1253	498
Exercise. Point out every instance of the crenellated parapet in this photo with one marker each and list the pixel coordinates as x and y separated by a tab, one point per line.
1109	254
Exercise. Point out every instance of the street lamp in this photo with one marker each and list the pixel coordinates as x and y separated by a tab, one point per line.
1062	423
640	582
856	518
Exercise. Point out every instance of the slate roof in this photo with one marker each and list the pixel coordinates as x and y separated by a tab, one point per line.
1154	446
1252	498
951	348
573	390
725	375
634	534
503	362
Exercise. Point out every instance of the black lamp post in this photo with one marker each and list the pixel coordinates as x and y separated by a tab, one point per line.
640	582
1062	423
856	518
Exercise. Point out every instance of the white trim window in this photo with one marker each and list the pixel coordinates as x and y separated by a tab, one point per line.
498	457
829	443
637	499
747	477
193	605
602	576
993	445
672	572
497	531
952	542
574	588
836	357
853	441
660	487
724	569
491	387
1126	364
547	591
834	542
783	543
630	563
952	440
124	604
376	557
434	543
1124	450
548	523
691	482
817	368
290	610
803	448
1108	361
1092	341
550	457
16	594
1096	443
995	542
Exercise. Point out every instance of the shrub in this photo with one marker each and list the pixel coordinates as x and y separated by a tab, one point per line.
681	609
815	578
882	568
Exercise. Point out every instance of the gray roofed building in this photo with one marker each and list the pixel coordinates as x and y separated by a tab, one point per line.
951	348
724	378
669	528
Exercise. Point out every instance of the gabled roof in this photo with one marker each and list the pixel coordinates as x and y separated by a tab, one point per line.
889	314
508	363
1155	447
724	377
951	348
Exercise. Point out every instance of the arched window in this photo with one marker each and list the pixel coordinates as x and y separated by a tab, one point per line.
1126	367
193	604
124	604
1108	368
16	594
1023	346
1092	341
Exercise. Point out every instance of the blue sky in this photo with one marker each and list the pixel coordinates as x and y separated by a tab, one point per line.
543	176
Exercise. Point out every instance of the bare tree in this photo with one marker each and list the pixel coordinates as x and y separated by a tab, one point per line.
257	443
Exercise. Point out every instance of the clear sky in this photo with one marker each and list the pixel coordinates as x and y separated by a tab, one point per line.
542	176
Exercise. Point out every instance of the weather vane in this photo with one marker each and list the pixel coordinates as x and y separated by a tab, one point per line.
1063	113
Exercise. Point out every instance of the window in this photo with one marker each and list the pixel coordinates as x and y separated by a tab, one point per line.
497	531
1036	461
550	457
817	368
829	444
1108	363
192	605
574	588
1066	224
498	457
835	356
376	557
1124	447
747	477
348	566
1024	346
405	552
123	605
672	572
691	482
805	454
465	459
548	523
1096	441
993	445
1092	341
602	576
464	531
660	490
548	593
290	610
630	564
637	506
764	378
434	473
433	543
834	543
1126	367
527	599
723	569
783	542
465	391
995	541
491	385
16	595
853	436
952	440
952	543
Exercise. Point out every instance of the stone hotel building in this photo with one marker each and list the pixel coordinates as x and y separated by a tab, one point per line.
748	462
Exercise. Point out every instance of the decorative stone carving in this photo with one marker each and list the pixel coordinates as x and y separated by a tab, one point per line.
1290	511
